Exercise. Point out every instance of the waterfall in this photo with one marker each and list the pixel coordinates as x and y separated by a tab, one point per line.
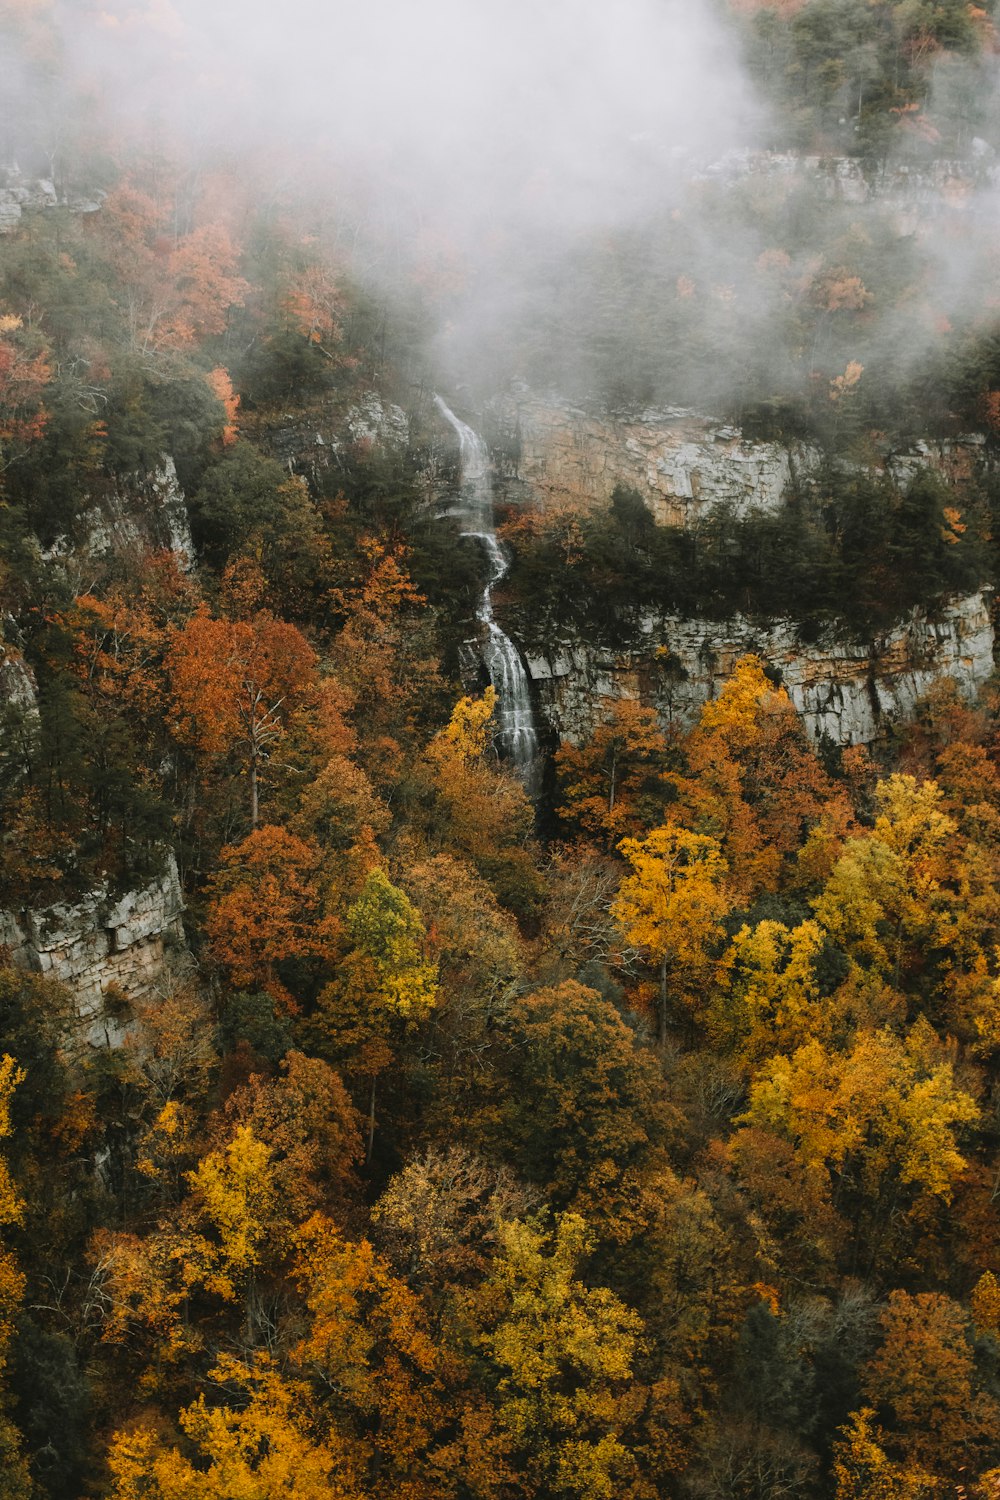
517	737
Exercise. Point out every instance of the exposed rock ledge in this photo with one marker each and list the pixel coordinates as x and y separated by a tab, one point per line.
681	463
852	691
132	943
140	512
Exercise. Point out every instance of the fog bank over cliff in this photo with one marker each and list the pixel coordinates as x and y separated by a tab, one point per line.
581	194
557	114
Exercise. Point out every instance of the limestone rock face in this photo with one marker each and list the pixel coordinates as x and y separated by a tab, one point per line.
379	422
681	463
852	691
17	682
19	193
143	511
131	943
20	719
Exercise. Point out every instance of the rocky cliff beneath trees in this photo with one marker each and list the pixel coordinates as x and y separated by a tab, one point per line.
20	194
137	513
852	692
105	949
681	463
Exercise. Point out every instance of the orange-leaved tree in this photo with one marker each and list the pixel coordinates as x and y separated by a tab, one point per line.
754	783
233	683
24	374
613	784
266	911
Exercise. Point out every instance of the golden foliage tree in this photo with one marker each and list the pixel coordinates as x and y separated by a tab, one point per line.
672	904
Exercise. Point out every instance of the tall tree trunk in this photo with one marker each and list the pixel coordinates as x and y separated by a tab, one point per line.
371	1123
254	811
662	1030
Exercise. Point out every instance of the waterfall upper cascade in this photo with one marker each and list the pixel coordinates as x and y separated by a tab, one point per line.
517	735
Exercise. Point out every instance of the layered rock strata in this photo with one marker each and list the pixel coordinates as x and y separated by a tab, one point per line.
682	464
850	691
105	947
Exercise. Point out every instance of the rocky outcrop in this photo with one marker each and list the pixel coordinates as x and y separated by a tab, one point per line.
378	423
851	691
20	719
682	464
17	683
137	513
20	194
104	947
312	442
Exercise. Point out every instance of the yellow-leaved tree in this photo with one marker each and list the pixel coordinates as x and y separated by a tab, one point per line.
560	1356
770	1002
864	1138
387	981
261	1444
672	904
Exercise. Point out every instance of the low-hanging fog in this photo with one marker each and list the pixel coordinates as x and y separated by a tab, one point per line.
580	184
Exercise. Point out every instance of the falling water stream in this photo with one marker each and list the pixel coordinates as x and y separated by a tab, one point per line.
517	737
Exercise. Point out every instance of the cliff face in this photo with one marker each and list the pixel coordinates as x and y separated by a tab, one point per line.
131	944
20	194
144	511
853	692
681	463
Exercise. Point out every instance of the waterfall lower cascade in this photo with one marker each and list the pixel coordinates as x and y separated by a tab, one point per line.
517	736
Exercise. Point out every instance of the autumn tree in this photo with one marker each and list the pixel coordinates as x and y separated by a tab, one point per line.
911	899
560	1359
396	1393
389	935
671	906
233	683
387	984
613	784
384	656
481	810
261	1440
937	1412
862	1470
868	1137
15	1480
25	372
310	1126
170	292
769	1002
753	783
266	913
586	1115
481	961
439	1217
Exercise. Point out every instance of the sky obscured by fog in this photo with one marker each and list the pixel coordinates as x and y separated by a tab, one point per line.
560	112
547	156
